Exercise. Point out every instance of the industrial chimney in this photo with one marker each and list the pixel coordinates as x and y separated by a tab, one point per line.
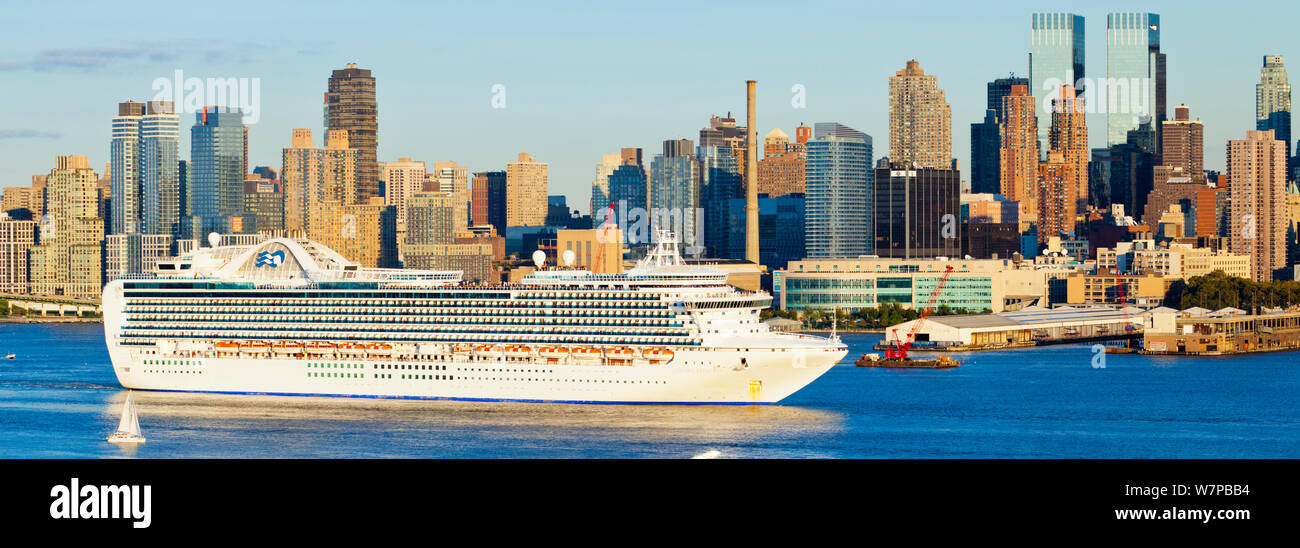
751	178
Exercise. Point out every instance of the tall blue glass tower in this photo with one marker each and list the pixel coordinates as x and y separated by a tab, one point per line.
838	180
215	182
1055	59
1133	95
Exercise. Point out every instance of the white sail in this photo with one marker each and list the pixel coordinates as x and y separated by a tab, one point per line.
128	427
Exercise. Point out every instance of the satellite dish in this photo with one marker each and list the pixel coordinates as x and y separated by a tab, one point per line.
213	239
539	258
568	257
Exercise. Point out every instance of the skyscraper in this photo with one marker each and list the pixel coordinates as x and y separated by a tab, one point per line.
920	119
720	181
1056	203
312	175
986	138
837	218
1273	100
1134	93
350	105
600	185
1257	186
1182	143
629	192
1055	59
1019	152
124	170
526	188
916	211
489	200
215	182
781	171
1069	136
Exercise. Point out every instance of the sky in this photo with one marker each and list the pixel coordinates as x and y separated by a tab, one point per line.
580	79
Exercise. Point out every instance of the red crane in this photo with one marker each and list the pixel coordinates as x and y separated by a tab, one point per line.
900	347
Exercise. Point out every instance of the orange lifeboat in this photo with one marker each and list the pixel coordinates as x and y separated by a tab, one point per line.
518	351
287	347
487	350
620	355
319	348
658	354
586	352
553	352
255	347
352	348
462	349
380	349
227	347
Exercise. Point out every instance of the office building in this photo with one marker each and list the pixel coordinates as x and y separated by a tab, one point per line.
1273	100
263	204
489	200
1134	95
215	179
839	183
916	211
454	178
1056	59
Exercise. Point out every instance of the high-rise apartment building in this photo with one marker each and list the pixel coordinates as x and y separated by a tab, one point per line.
526	190
453	178
215	182
402	179
1273	100
920	119
1182	143
430	238
837	211
313	175
1257	185
1056	59
600	185
142	169
916	211
263	204
350	105
781	171
1134	93
68	260
1069	136
17	238
1057	191
1019	152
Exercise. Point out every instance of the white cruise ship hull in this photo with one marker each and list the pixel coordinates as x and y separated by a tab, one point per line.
694	377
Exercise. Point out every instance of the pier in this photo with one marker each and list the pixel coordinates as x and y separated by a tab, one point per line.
1031	326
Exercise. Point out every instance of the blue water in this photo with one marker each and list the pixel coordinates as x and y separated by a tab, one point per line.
59	398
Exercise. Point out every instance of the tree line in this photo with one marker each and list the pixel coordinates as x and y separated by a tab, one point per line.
1218	290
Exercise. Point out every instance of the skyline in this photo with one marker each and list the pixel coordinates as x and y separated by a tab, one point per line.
588	101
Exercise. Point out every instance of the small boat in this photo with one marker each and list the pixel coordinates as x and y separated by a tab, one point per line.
487	351
9	356
227	347
620	355
553	352
462	350
586	352
352	348
518	351
128	428
255	347
380	349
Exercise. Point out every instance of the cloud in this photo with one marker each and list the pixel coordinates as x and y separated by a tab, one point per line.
28	134
99	58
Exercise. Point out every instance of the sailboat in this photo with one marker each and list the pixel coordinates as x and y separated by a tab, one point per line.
128	429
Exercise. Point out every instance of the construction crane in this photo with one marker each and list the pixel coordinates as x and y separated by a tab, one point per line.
900	346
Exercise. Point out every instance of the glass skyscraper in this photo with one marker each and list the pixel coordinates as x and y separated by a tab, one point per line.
838	179
675	192
986	138
1055	59
143	161
720	181
215	182
1273	100
1133	94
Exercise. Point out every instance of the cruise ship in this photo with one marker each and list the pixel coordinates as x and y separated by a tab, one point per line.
292	317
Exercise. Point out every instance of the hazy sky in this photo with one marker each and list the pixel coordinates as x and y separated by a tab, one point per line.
581	78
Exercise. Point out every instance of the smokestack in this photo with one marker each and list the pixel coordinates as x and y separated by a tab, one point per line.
751	177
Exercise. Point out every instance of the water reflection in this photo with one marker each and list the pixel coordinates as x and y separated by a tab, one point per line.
362	427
